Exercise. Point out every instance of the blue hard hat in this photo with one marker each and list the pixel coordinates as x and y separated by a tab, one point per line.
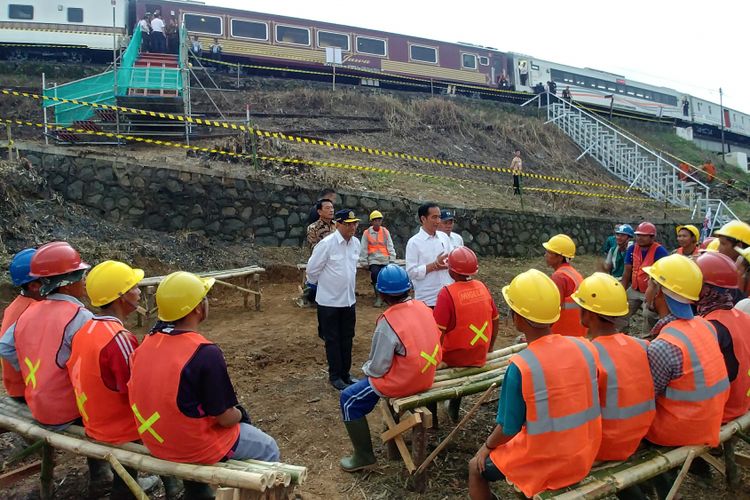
393	280
20	266
625	229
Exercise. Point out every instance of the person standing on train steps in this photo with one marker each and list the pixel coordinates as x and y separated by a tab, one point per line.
332	268
377	250
558	250
20	267
196	47
447	219
554	444
427	255
158	40
145	25
216	51
716	304
516	167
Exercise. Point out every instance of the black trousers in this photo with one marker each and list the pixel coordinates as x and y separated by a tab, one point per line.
336	327
516	184
374	271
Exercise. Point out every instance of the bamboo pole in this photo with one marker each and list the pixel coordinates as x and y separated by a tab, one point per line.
681	476
236	287
442	394
644	465
298	473
201	473
463	421
132	484
495	372
452	373
29	450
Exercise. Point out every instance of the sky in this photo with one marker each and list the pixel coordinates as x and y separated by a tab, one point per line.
690	46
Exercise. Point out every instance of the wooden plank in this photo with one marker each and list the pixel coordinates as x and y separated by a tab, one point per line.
681	476
404	424
19	474
256	280
46	478
426	416
400	444
419	446
742	459
715	463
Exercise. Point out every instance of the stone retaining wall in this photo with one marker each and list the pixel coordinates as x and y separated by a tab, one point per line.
273	213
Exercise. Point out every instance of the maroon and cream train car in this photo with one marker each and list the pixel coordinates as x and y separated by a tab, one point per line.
254	36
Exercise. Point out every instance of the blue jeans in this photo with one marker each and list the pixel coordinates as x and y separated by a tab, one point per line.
256	444
358	400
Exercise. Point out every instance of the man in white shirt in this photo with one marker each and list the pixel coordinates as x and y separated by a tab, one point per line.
145	25
446	225
158	42
333	269
427	255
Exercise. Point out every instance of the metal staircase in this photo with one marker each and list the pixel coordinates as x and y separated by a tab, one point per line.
634	163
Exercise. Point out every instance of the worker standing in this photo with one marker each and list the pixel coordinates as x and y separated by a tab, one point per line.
687	239
180	392
644	253
559	249
626	391
404	355
316	231
553	445
332	268
20	267
733	234
467	316
376	250
426	256
516	168
447	221
716	304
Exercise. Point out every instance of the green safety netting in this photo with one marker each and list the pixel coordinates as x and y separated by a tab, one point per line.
100	89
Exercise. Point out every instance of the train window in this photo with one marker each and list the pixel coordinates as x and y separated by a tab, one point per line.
468	61
75	15
332	39
423	54
374	46
199	23
16	11
292	34
484	61
255	30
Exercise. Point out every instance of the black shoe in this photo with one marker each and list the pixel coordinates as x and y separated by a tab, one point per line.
339	384
350	380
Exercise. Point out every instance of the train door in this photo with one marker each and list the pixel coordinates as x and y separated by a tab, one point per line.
727	122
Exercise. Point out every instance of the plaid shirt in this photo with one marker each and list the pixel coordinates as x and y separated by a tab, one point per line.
665	361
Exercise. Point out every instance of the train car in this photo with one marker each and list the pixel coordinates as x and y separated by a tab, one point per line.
31	28
267	38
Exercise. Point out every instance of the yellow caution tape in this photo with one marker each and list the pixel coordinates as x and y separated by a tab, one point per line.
319	142
46	45
103	33
316	163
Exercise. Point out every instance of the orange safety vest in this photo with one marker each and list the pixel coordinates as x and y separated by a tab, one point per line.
570	314
626	392
39	335
690	410
106	413
377	243
558	443
680	250
639	279
467	344
738	324
415	371
12	379
169	434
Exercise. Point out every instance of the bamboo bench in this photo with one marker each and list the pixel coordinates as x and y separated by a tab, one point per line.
235	479
245	273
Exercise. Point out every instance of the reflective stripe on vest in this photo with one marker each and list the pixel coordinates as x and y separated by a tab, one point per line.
80	401
545	422
613	411
431	360
479	332
33	368
570	305
377	244
701	391
146	425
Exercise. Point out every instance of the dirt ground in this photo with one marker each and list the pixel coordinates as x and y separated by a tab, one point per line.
277	364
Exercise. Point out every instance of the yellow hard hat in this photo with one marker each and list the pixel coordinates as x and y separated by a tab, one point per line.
745	252
533	295
375	214
179	293
561	244
713	246
678	274
737	230
601	293
693	230
110	280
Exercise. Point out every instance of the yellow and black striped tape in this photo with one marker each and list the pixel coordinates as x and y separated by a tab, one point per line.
46	45
319	142
315	163
70	32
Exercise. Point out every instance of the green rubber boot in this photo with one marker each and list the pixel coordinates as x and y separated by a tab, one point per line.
378	298
363	457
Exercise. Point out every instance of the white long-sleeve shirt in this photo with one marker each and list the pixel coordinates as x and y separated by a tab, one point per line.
157	25
421	250
333	267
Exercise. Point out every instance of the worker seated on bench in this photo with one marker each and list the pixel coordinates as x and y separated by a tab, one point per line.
467	315
20	267
404	355
180	392
551	442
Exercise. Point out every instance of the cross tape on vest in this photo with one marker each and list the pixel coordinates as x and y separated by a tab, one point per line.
316	142
315	163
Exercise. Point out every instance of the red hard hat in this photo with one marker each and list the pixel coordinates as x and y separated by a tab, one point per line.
717	269
463	261
646	228
55	259
706	242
